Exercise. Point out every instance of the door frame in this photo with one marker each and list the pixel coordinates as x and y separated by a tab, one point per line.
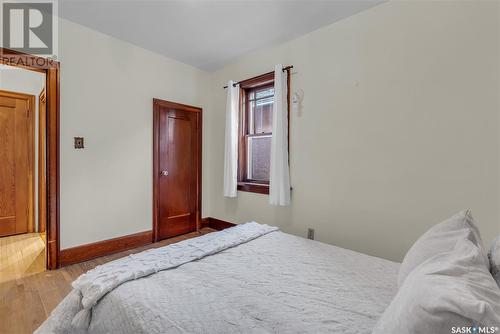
51	68
157	103
31	104
42	170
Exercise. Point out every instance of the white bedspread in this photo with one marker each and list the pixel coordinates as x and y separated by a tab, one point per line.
276	283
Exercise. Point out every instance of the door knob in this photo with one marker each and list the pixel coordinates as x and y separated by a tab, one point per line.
164	173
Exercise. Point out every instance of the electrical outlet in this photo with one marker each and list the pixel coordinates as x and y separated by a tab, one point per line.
310	233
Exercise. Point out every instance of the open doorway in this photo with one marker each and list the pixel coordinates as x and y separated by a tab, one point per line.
50	100
22	172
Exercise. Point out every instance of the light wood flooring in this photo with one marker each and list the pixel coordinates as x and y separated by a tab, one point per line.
21	255
28	297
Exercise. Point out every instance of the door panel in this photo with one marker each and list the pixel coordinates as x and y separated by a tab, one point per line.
178	170
179	165
7	172
16	168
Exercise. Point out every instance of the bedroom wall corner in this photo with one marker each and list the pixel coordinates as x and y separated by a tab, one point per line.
399	127
107	89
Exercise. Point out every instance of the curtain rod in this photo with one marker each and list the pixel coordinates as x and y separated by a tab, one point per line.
287	68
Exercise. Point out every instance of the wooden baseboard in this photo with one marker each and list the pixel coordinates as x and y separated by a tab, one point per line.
215	223
105	247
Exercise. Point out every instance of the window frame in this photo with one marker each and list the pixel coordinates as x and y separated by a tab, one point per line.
259	82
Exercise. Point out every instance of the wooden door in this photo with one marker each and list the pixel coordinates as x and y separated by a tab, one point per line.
177	169
42	162
17	163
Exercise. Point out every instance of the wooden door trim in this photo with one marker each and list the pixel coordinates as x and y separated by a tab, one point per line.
157	103
30	101
51	68
42	172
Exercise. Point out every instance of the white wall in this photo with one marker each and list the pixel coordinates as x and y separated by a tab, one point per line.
399	127
107	88
20	80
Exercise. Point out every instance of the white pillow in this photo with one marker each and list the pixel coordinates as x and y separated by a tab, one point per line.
452	289
494	256
441	238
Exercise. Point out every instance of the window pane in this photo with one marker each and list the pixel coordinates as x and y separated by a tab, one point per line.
259	156
263	116
265	92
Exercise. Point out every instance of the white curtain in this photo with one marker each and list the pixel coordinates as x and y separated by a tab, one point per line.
279	177
231	143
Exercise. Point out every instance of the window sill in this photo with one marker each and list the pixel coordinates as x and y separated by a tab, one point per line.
254	187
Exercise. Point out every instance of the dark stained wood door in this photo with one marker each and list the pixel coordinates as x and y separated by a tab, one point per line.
177	160
16	163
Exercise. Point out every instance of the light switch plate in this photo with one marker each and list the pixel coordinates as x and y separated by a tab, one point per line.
79	143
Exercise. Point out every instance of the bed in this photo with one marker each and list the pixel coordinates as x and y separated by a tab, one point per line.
270	283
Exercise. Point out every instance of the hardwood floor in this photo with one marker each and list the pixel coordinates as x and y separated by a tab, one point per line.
26	301
21	255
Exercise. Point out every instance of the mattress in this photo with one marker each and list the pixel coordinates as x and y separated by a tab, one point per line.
277	283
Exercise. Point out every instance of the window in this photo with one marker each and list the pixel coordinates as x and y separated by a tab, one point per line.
256	113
